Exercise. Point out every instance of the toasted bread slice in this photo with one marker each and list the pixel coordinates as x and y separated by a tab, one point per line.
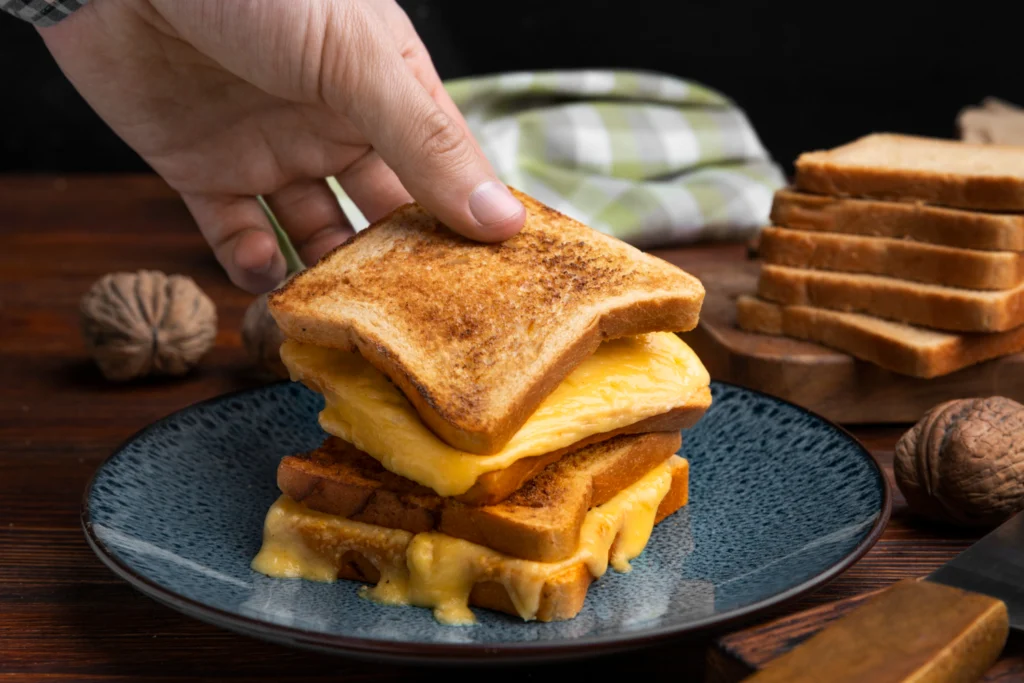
331	546
477	335
942	308
540	521
910	168
901	220
967	268
901	348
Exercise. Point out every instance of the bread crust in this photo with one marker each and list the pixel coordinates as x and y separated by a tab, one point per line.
899	220
875	166
894	346
478	335
942	308
967	268
541	521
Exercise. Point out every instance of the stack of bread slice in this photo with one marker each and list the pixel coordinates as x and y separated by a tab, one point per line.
502	420
904	251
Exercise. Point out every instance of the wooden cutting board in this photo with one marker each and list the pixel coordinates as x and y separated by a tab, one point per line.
828	382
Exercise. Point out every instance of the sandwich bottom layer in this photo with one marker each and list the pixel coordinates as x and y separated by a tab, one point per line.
448	574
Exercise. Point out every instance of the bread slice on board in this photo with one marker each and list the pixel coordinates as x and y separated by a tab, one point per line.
967	268
477	335
561	596
905	349
919	222
541	521
910	168
943	308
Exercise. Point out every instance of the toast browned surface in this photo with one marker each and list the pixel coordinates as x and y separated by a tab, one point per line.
943	308
905	349
901	220
561	598
477	335
967	268
910	168
540	521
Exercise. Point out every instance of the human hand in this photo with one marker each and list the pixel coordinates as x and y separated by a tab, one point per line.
228	100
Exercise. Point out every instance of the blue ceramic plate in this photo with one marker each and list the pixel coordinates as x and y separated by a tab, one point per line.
781	502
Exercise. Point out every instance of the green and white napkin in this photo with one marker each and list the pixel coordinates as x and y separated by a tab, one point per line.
651	159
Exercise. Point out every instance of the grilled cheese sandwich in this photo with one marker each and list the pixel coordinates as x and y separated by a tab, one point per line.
503	418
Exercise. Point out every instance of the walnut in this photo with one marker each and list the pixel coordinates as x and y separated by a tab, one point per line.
262	337
138	324
964	462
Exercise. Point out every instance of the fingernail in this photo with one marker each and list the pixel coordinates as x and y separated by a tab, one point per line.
263	268
491	203
268	275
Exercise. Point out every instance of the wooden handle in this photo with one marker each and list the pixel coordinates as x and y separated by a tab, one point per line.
915	631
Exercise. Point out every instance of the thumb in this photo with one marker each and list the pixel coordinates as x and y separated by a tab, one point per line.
432	152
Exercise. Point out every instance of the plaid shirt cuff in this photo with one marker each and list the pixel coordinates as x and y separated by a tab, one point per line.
41	12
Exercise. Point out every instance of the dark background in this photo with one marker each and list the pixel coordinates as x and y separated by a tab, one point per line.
807	79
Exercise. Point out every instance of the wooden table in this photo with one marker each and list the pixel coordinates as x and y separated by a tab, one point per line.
63	615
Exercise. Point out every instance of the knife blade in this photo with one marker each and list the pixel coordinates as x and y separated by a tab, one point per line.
948	626
993	566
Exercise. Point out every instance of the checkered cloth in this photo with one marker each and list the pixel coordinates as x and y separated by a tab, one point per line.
651	159
41	12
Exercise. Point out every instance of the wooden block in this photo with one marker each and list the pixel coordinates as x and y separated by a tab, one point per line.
828	382
994	122
915	631
736	656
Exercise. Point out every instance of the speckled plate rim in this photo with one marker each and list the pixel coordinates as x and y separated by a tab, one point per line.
470	653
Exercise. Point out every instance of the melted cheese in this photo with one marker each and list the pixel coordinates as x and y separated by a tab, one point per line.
625	381
299	543
438	571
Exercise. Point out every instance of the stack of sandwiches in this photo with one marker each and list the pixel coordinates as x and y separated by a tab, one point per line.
903	251
502	420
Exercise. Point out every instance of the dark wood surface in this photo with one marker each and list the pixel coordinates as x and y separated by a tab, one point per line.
63	616
831	383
